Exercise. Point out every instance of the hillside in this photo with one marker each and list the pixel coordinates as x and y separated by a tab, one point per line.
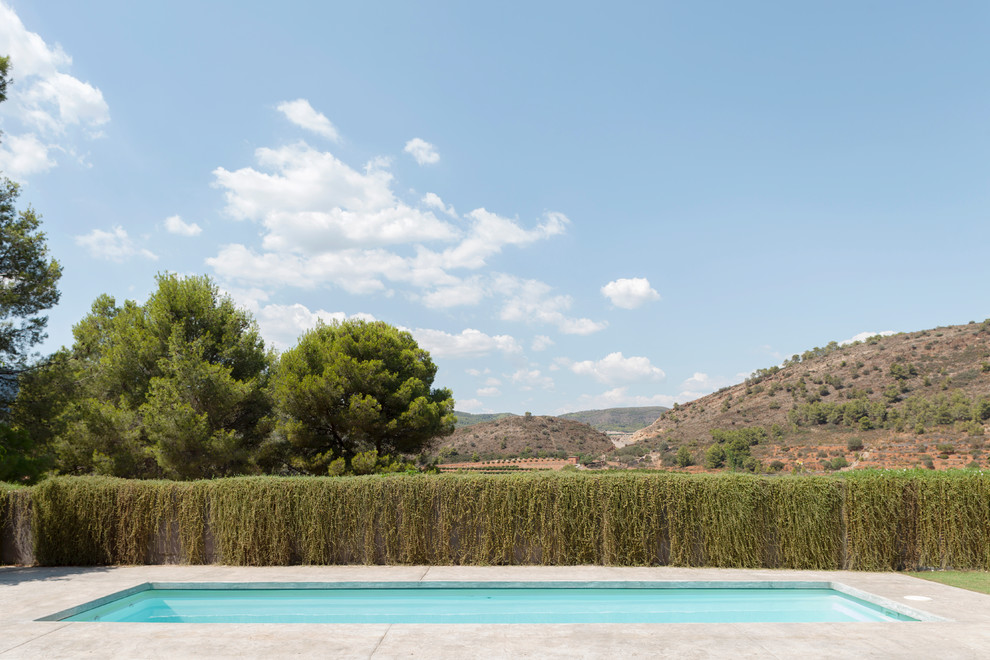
920	398
615	420
470	419
527	436
619	420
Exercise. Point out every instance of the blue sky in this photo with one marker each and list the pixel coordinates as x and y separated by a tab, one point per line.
571	205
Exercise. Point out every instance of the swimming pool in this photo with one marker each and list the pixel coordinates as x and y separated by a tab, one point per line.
490	602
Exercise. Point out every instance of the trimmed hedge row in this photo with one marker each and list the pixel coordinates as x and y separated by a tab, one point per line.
864	520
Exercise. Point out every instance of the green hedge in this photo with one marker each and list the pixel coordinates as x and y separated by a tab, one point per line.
865	520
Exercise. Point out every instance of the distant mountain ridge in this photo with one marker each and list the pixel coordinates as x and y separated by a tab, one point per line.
621	420
618	420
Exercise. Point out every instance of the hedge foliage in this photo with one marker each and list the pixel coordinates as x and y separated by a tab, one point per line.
865	520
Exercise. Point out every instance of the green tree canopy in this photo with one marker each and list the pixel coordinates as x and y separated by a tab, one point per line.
174	387
28	279
355	386
4	69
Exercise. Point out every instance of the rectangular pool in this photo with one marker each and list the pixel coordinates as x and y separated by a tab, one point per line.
490	602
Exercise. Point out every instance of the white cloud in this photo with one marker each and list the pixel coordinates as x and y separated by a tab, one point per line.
477	372
310	202
249	299
532	300
46	104
114	245
469	343
356	271
616	368
488	391
863	336
281	325
471	406
492	382
433	201
528	379
489	233
541	343
700	384
24	155
620	397
464	292
58	101
326	223
424	152
630	293
175	225
302	114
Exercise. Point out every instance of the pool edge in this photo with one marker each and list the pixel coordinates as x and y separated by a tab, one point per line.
866	597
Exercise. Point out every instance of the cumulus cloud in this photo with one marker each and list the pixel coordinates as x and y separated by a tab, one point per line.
47	105
310	202
488	391
533	301
700	384
489	233
619	397
528	379
541	343
434	201
616	368
471	406
302	114
424	152
282	325
863	336
324	222
176	225
630	293
24	155
469	343
469	291
113	245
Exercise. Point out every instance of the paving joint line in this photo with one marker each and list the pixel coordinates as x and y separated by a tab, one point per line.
382	639
28	641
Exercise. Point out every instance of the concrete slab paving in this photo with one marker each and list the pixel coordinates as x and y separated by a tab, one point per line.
27	594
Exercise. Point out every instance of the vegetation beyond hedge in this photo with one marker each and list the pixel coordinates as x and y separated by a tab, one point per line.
863	521
182	387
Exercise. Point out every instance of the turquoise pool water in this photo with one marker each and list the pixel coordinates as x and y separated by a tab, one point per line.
486	603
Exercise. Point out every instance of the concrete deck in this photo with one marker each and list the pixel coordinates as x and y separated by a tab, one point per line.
29	593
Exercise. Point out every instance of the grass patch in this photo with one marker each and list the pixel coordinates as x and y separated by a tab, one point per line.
972	580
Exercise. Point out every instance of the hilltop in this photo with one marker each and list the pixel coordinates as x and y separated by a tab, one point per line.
919	398
525	436
470	419
614	420
617	420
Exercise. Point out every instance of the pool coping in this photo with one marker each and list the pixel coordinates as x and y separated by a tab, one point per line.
878	602
28	593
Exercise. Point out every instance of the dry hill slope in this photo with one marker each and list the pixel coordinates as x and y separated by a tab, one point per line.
908	398
526	436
